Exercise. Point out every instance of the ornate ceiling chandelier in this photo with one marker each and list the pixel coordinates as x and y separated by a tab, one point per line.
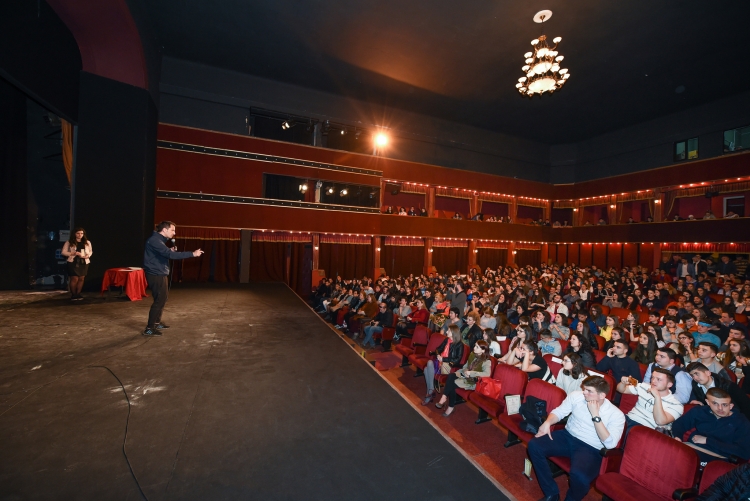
542	68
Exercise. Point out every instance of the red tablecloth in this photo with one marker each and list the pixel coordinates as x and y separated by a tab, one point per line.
134	281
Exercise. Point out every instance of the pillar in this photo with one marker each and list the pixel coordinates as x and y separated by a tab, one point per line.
513	210
472	253
427	267
657	256
474	204
430	202
612	210
377	270
316	251
545	253
511	255
658	205
547	209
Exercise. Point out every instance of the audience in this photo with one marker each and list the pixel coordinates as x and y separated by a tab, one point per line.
657	407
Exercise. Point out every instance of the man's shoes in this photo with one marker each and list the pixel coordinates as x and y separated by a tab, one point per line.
554	497
77	297
482	420
161	326
151	332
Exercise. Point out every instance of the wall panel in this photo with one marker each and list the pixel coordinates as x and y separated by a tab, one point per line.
586	254
614	256
600	255
630	254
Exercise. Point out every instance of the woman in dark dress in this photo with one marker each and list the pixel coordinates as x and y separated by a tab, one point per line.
78	252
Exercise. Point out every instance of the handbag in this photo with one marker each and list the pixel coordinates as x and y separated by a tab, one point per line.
489	388
534	413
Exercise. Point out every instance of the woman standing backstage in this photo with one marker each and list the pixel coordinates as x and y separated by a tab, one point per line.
78	252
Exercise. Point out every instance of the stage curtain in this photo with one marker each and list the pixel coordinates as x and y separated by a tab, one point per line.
450	259
491	258
67	148
402	259
614	256
347	260
267	261
220	261
525	257
300	268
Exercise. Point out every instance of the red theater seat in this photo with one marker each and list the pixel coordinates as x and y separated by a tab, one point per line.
513	383
554	367
712	471
416	343
543	391
599	355
420	360
654	467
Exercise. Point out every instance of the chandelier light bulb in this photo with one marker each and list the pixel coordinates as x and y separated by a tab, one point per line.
557	40
525	68
534	42
529	60
528	54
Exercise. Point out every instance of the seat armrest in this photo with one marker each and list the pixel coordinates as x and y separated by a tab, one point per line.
608	453
681	494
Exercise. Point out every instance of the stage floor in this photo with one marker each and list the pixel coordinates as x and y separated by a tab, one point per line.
248	395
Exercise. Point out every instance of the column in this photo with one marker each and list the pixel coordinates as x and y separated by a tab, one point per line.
511	253
545	252
474	204
377	270
658	206
612	210
513	210
427	256
548	211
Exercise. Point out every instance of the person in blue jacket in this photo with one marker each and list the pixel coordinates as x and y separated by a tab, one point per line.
718	431
156	265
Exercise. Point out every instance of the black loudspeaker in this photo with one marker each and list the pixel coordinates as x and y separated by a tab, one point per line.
395	189
711	194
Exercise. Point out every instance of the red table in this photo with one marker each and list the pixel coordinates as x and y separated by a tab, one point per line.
132	279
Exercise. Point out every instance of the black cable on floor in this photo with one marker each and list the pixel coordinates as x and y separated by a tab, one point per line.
127	424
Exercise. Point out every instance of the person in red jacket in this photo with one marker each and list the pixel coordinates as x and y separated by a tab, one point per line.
420	315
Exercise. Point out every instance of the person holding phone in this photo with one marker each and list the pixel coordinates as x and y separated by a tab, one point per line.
466	377
77	251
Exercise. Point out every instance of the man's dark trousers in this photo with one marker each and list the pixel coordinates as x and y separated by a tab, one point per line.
585	462
159	290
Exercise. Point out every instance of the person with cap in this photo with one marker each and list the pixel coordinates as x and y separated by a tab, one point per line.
702	334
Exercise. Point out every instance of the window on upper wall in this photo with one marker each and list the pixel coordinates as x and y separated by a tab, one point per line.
686	150
737	139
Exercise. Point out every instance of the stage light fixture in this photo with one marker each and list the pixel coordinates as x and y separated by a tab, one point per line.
287	124
344	192
303	187
330	190
381	140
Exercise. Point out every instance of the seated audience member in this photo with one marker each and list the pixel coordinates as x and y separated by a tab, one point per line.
523	332
646	349
402	211
556	224
454	317
613	301
601	222
419	316
557	306
491	338
478	365
488	320
412	211
709	215
384	318
423	212
707	356
358	317
732	486
532	362
657	407
594	423
665	358
548	344
735	358
572	373
580	344
471	332
582	317
610	322
685	347
671	330
731	215
558	328
539	322
631	220
447	356
649	219
704	380
718	431
616	335
457	216
618	361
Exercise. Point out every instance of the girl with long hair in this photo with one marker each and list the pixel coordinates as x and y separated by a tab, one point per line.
572	373
646	350
478	365
580	345
685	348
78	252
735	357
447	356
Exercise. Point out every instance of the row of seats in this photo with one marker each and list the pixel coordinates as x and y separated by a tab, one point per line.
652	466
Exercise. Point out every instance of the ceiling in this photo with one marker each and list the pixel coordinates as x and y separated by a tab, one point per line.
629	61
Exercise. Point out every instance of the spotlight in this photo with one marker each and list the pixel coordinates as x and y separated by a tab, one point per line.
343	192
287	124
330	190
343	131
381	140
303	187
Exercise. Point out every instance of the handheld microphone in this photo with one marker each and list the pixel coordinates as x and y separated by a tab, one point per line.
173	241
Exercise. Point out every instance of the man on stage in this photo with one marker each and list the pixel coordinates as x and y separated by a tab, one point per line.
156	265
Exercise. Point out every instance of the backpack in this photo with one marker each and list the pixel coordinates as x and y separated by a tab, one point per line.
534	413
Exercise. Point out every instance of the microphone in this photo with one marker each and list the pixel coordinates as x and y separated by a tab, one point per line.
173	242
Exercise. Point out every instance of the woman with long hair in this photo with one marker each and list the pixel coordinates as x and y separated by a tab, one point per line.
596	315
78	252
580	345
503	327
632	328
655	330
727	305
523	332
631	303
685	348
613	301
646	350
558	327
610	322
583	329
735	357
478	365
572	373
447	356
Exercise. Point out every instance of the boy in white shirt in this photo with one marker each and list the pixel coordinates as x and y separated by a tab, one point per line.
657	406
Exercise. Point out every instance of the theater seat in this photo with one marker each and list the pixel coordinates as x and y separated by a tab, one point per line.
554	365
712	471
600	342
543	391
418	341
420	360
627	402
605	309
609	462
513	383
599	355
654	467
621	313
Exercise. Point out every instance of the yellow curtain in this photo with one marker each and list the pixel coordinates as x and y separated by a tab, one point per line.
67	149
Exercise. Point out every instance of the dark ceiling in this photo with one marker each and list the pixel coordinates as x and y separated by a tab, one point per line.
629	61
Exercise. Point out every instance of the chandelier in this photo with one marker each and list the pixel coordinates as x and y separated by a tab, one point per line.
542	68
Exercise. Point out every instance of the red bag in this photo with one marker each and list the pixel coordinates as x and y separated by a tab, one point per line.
489	387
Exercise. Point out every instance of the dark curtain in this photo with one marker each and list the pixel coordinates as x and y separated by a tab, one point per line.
347	260
491	258
460	205
300	268
267	261
402	259
450	259
13	189
219	263
495	209
528	257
